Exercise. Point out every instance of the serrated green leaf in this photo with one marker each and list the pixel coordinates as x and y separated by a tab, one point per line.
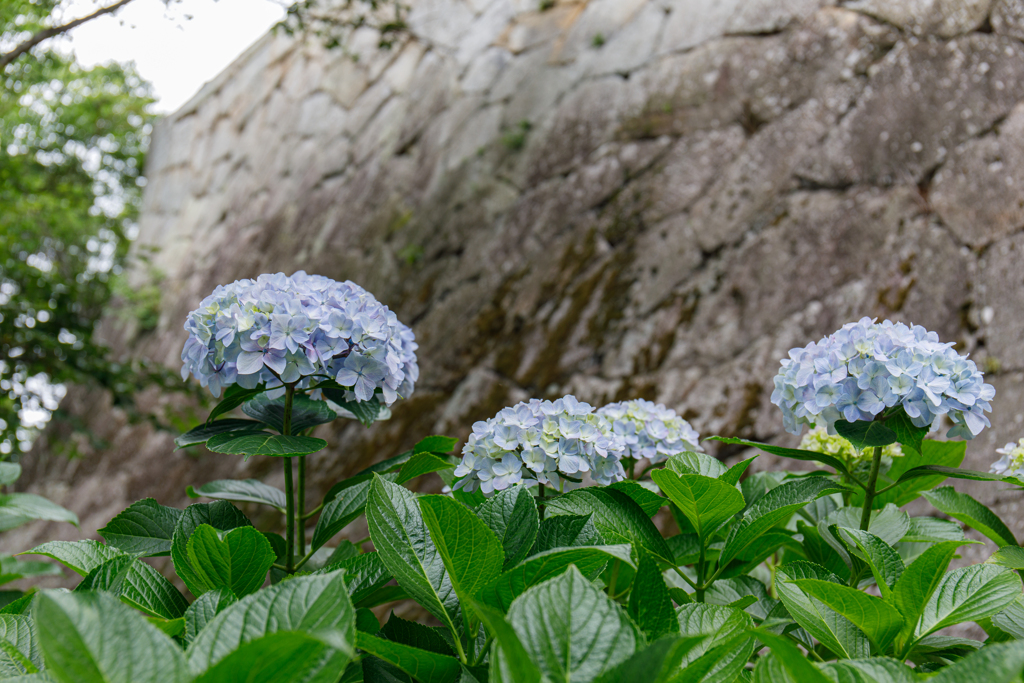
364	574
204	608
775	507
420	464
509	659
411	633
706	502
649	501
143	528
79	633
939	453
792	659
1011	619
284	657
403	541
79	556
864	434
691	462
916	586
221	515
969	594
345	506
1011	556
734	473
830	628
436	444
234	396
873	670
650	604
998	663
658	663
879	621
241	490
972	513
907	433
239	561
138	585
503	590
275	445
19	646
932	530
512	516
424	666
725	646
890	524
794	453
306	412
204	432
566	531
19	508
317	604
616	517
885	563
571	630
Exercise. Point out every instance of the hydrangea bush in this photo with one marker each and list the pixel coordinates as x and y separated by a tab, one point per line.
686	570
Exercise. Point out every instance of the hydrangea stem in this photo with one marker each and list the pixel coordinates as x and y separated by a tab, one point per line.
869	492
286	428
300	531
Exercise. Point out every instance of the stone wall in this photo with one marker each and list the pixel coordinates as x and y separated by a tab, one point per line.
614	198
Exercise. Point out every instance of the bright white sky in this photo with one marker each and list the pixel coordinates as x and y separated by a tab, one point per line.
176	54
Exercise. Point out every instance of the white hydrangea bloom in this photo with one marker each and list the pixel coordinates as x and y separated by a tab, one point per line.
651	430
1012	462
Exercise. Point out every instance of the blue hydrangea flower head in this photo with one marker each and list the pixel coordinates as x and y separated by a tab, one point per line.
867	368
1012	462
650	429
538	442
304	328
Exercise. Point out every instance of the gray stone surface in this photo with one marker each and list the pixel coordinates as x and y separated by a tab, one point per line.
715	184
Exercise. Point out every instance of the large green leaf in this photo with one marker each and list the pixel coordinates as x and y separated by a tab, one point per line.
512	516
909	435
691	462
503	590
345	506
794	453
92	638
143	528
138	585
471	553
864	434
616	516
241	490
436	444
915	587
566	531
403	541
725	646
9	473
571	630
885	563
19	646
79	556
995	663
317	605
367	412
879	621
205	608
411	633
364	574
510	662
1011	619
420	464
237	560
890	524
791	658
659	663
306	412
283	657
265	444
777	506
830	628
18	508
706	502
650	604
1008	556
424	666
969	594
221	515
204	432
873	670
649	501
972	513
13	569
933	453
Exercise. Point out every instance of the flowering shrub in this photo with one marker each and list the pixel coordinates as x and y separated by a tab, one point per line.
1012	462
768	576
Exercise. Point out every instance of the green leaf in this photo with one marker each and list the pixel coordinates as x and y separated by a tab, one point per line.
238	562
866	434
1008	556
18	508
138	585
317	605
734	473
364	574
420	464
650	604
204	608
690	462
997	663
203	432
616	517
221	515
501	592
436	444
890	524
659	663
933	530
571	630
792	659
389	465
9	473
972	513
873	670
649	501
403	542
264	444
19	646
954	473
796	454
283	657
879	621
907	434
398	630
172	627
885	563
830	628
915	587
1011	619
512	516
13	569
566	531
969	594
92	638
233	397
347	505
367	412
509	659
79	556
774	508
725	646
471	553
424	666
940	453
306	412
706	502
143	528
241	490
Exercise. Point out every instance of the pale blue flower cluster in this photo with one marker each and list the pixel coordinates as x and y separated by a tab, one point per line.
650	430
1012	462
539	441
304	328
866	368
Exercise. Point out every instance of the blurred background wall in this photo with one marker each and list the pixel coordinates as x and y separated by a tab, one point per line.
613	198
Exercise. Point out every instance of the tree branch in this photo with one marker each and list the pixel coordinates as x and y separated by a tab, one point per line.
39	37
